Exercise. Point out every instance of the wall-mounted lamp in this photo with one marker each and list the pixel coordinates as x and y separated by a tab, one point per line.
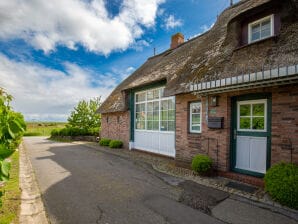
214	101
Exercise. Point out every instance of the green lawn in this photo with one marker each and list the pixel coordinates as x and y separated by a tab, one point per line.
42	128
10	194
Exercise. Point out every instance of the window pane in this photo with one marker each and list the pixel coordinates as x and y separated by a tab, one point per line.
245	110
171	104
196	128
171	115
244	123
140	107
258	109
150	116
164	105
196	119
156	94
265	25
140	125
171	126
164	115
140	97
258	123
196	107
161	92
156	105
149	95
164	126
255	28
265	33
156	115
149	125
140	116
255	36
149	106
155	125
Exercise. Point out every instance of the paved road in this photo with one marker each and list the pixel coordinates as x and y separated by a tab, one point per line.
82	185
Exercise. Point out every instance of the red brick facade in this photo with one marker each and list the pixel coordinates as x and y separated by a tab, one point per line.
116	126
216	142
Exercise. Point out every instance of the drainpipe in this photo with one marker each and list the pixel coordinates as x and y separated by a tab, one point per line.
207	109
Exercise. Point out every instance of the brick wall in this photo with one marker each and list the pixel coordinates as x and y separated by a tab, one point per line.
187	144
116	126
216	142
284	124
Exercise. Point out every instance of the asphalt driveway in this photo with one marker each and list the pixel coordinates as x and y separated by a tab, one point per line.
82	185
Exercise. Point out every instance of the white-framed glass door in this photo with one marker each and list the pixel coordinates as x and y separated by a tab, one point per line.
251	131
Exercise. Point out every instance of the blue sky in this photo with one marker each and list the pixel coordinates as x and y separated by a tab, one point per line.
55	53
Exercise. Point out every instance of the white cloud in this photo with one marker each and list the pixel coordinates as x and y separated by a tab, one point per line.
41	93
140	44
45	24
171	22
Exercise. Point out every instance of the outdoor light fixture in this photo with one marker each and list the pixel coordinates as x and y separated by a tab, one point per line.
214	101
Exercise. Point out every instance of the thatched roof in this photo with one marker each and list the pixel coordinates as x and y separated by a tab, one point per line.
214	54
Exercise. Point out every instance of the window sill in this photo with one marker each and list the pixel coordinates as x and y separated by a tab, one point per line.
256	42
194	133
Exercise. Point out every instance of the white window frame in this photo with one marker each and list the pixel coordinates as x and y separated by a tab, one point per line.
251	102
271	18
160	99
190	118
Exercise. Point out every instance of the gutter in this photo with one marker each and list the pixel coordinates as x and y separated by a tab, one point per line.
272	77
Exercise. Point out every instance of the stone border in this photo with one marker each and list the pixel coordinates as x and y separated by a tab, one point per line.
32	207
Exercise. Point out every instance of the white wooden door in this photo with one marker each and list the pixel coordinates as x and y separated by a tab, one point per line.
251	136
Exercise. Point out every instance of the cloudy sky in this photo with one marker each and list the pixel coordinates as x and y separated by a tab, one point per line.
55	53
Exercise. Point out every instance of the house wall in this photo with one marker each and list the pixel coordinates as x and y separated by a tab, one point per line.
116	126
216	142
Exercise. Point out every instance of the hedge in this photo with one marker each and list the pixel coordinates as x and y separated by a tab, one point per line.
281	182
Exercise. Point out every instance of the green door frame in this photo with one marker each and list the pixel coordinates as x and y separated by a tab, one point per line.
132	92
234	115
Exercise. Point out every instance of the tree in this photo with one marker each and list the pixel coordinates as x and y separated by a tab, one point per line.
84	115
12	127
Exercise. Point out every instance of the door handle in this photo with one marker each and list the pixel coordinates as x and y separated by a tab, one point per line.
235	134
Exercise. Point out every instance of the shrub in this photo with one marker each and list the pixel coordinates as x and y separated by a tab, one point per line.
104	142
64	132
55	132
116	144
94	131
281	183
201	164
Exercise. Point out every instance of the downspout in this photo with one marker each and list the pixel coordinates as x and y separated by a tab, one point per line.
207	109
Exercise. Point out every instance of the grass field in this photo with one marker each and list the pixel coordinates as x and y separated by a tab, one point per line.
10	194
42	128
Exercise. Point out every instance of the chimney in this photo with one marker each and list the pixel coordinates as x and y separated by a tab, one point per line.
177	39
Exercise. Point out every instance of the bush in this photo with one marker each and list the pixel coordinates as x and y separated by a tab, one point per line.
55	132
281	182
116	144
104	142
201	164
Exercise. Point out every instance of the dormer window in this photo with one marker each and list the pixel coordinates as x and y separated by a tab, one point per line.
261	29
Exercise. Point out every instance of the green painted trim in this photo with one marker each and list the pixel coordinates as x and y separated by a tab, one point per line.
254	96
132	103
247	172
132	109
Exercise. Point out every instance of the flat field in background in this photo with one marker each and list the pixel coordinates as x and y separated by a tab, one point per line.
42	128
